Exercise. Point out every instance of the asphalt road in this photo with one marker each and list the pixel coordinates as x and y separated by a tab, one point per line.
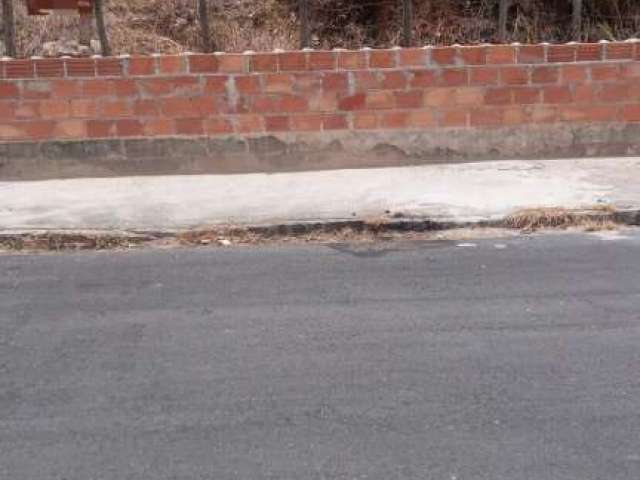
505	360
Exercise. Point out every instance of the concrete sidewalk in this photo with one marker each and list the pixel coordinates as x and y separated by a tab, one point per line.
449	193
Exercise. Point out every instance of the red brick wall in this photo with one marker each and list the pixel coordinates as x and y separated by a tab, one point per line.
313	91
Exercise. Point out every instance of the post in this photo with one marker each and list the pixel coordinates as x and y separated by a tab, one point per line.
407	21
577	20
305	31
502	20
9	28
205	30
102	29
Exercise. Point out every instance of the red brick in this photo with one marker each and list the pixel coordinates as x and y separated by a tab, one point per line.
454	118
395	120
422	119
545	75
486	117
49	68
156	127
84	108
189	126
589	113
27	110
180	107
412	57
265	104
293	61
139	66
561	53
618	51
498	96
279	123
109	67
335	81
443	56
334	122
352	60
293	104
232	63
130	128
516	115
631	113
116	108
484	76
454	77
306	123
380	100
614	92
411	99
514	75
7	111
531	54
439	97
54	109
39	129
630	70
19	69
66	88
424	78
146	108
308	83
248	84
322	61
323	102
501	54
172	64
279	83
603	73
469	96
587	52
203	63
125	87
98	87
365	120
353	102
36	89
585	93
9	90
396	80
544	114
526	95
249	124
557	94
263	62
217	126
216	84
383	59
80	67
13	131
101	128
70	129
473	55
367	80
573	73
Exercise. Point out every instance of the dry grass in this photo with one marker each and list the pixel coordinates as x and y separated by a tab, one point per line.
169	26
594	219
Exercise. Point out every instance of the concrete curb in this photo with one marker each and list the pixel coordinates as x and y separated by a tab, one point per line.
56	240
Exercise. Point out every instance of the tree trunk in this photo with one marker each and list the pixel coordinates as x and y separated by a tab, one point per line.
102	29
577	20
86	28
407	21
208	45
9	28
305	29
502	20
